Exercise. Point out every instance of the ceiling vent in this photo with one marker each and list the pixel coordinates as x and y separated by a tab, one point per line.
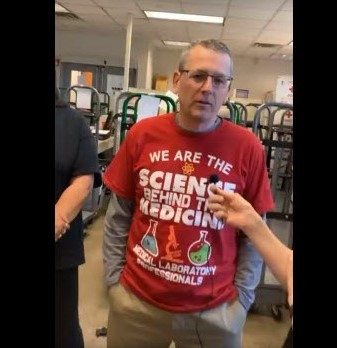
266	45
67	15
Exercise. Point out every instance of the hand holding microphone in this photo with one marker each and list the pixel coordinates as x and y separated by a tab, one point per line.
233	209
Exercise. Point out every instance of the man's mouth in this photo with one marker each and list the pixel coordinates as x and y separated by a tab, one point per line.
203	102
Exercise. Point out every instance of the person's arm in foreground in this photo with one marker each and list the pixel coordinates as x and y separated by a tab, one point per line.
235	211
71	202
116	230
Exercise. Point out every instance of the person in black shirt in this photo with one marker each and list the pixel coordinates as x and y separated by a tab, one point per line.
76	172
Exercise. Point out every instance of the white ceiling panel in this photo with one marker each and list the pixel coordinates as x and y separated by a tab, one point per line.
126	4
237	44
142	25
79	9
250	35
288	6
239	24
121	16
237	47
251	13
206	10
284	16
166	29
65	24
258	4
240	33
164	6
279	26
259	52
103	20
286	49
75	2
280	56
275	37
159	30
204	31
209	2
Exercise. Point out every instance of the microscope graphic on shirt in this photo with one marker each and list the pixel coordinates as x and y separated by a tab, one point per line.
173	252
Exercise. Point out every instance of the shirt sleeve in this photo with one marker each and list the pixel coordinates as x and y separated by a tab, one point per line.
116	231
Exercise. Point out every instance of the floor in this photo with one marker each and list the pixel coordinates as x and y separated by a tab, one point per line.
259	332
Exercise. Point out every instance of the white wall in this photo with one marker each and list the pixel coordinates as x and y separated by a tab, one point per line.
259	75
81	47
165	62
88	48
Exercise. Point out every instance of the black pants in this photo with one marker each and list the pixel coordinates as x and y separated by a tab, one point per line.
68	333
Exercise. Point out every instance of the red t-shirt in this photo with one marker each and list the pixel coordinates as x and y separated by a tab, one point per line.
179	256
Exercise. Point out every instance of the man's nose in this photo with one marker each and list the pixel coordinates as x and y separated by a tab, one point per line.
207	85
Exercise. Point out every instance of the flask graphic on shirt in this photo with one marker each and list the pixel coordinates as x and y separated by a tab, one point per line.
149	241
200	251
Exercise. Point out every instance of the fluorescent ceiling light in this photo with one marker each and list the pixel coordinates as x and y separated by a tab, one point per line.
60	9
176	43
184	17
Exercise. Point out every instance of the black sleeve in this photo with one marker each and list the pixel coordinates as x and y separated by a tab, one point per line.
87	158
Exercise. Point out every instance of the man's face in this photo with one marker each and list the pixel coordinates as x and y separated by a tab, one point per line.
200	97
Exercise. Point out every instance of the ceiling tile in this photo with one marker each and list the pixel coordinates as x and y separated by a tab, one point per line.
258	4
209	2
288	6
77	9
279	26
161	6
126	4
239	24
202	31
275	37
75	2
205	9
284	16
122	17
251	13
259	52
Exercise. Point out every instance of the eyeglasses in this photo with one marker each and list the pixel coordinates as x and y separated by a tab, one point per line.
199	77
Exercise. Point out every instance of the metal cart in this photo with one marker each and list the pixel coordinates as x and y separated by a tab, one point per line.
126	113
277	139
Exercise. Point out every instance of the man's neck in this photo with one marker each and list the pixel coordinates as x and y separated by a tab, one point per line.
195	125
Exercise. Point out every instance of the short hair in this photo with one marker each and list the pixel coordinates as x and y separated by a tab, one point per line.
211	44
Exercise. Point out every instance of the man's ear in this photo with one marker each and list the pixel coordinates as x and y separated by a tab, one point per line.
176	81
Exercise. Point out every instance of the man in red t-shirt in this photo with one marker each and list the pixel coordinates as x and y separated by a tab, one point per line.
175	272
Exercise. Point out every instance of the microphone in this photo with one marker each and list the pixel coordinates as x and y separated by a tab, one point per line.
213	179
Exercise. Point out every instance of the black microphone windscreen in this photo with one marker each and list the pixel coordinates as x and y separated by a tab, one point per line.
213	179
